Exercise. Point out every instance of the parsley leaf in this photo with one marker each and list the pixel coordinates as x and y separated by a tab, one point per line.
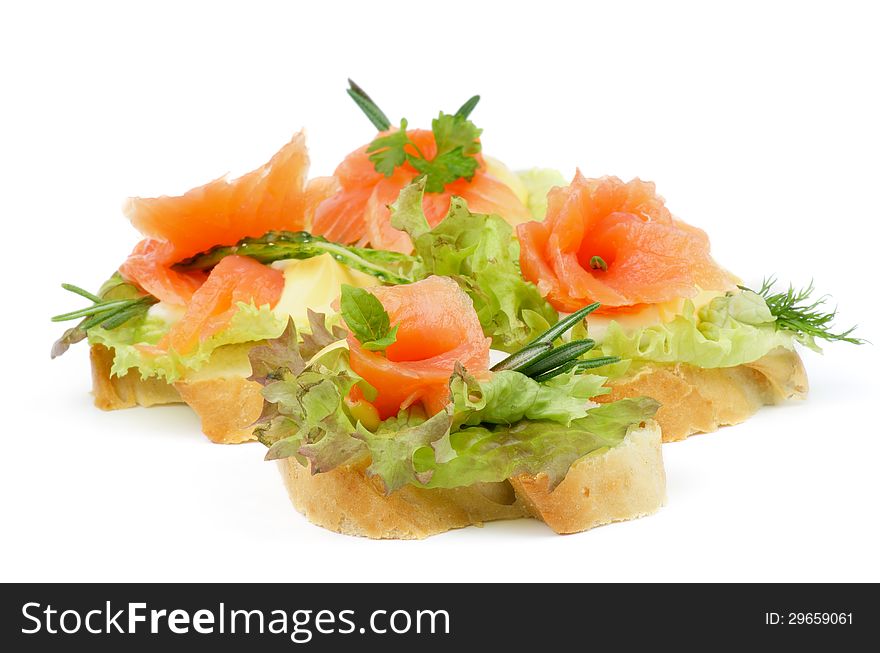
444	169
367	319
457	140
389	151
455	131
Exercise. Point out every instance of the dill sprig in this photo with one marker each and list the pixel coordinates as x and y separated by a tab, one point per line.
796	311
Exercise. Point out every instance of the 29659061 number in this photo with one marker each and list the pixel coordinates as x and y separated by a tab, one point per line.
808	618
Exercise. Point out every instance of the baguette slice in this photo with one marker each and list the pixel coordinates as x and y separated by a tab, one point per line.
227	405
694	399
699	400
622	483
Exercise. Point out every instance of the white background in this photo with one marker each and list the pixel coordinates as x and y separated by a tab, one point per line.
758	121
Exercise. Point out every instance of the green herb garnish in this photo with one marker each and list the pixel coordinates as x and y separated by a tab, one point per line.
565	324
542	362
367	319
794	311
105	313
456	137
365	102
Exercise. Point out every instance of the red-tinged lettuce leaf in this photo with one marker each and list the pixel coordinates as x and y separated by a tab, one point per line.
290	352
305	416
270	361
262	424
287	446
320	335
336	446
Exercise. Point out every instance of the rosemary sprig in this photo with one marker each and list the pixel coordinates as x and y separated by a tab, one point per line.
106	313
557	357
795	311
541	361
565	324
366	104
465	109
388	267
377	116
578	365
523	356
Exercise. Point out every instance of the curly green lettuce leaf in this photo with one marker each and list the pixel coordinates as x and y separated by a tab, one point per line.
481	254
393	446
250	323
731	330
508	397
492	453
538	182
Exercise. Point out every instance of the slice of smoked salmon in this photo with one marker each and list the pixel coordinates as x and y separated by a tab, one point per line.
318	190
223	212
651	257
234	279
436	327
358	212
274	196
149	266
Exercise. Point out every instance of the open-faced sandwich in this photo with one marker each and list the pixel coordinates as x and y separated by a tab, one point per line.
397	427
346	322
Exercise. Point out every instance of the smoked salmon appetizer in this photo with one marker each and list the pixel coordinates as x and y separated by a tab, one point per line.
358	212
419	254
616	243
426	340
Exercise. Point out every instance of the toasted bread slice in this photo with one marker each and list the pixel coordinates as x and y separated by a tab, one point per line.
694	399
622	483
699	400
113	392
227	405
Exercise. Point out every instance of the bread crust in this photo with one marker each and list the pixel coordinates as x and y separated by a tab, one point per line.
694	399
227	406
114	392
622	483
699	400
